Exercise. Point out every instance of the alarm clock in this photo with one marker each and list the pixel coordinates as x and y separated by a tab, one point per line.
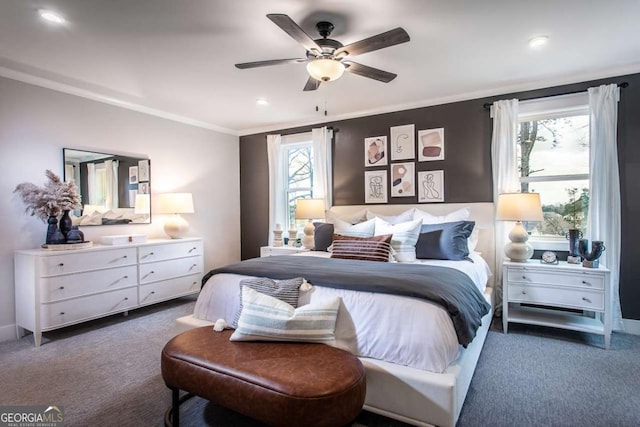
549	257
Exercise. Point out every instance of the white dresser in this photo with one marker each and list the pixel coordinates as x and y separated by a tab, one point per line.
54	289
565	286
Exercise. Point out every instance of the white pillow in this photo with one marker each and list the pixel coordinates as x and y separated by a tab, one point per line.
363	229
393	219
264	318
472	241
459	215
403	241
353	218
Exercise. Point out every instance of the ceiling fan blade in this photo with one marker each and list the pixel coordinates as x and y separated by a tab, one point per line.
380	41
366	71
270	62
288	26
312	84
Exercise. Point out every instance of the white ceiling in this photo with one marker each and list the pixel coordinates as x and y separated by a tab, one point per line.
175	58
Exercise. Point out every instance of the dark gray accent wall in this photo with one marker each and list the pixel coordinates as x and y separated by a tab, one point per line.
467	166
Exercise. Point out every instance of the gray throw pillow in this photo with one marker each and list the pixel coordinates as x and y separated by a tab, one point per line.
285	290
323	236
446	241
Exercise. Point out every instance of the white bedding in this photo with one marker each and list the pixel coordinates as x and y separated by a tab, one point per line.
397	329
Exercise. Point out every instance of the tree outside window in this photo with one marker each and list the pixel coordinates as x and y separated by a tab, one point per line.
553	158
299	176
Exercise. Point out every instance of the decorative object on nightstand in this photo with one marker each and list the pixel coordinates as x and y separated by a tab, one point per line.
175	204
277	236
293	236
519	207
591	257
309	209
574	235
549	257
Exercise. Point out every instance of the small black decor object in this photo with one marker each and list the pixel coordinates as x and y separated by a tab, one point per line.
573	235
54	236
65	222
75	235
591	257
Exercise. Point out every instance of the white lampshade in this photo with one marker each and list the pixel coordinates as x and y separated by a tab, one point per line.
519	207
325	70
310	209
175	203
142	204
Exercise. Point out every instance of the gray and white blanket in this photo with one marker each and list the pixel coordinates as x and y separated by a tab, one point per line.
451	289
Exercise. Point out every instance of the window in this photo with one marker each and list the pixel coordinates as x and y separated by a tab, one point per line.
553	160
298	164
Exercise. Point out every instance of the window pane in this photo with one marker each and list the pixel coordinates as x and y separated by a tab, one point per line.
300	167
564	204
553	147
292	196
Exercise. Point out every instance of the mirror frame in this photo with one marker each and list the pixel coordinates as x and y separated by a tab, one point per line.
130	183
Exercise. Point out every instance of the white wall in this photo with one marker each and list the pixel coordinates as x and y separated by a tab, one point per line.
36	123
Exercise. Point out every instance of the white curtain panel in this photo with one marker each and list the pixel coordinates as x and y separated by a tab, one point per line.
111	183
322	165
92	185
505	175
276	182
604	199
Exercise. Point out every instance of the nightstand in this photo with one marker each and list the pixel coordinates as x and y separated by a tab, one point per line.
280	250
563	286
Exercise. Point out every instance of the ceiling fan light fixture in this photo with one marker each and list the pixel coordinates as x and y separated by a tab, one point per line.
325	70
51	16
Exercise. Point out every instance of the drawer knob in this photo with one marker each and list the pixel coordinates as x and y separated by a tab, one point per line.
62	313
192	265
147	255
126	298
126	277
524	277
61	264
61	287
524	292
124	256
192	249
153	292
586	299
584	282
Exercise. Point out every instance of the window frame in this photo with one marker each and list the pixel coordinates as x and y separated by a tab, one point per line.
555	107
293	141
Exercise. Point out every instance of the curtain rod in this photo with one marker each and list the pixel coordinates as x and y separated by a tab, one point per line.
489	104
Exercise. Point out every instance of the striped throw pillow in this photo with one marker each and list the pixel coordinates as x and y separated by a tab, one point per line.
375	248
405	237
284	290
265	318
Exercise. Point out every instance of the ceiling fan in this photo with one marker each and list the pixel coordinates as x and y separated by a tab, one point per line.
328	59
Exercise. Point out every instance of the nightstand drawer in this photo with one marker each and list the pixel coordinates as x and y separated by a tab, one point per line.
572	298
561	278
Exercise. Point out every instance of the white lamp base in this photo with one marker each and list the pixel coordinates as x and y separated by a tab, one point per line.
518	250
308	240
176	227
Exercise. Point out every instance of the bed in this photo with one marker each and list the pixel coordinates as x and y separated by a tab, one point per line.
419	364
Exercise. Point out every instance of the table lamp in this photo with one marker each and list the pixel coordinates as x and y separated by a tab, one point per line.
309	209
519	207
175	204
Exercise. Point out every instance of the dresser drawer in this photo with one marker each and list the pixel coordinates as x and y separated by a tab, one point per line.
72	285
167	289
561	297
155	271
94	260
165	251
79	309
561	278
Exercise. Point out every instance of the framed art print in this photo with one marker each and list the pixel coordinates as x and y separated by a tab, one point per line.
375	151
402	145
431	145
375	186
403	179
431	186
133	174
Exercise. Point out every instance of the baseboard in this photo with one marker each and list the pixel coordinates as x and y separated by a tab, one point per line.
7	333
631	326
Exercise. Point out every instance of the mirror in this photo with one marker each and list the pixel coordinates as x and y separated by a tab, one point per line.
114	189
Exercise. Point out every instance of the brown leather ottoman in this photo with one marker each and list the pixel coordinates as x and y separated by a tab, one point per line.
279	384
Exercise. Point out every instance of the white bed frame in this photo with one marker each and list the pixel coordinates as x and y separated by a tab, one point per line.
411	395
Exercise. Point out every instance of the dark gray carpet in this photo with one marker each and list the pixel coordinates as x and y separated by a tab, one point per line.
107	373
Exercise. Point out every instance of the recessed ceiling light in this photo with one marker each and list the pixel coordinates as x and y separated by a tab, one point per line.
539	41
261	101
51	16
